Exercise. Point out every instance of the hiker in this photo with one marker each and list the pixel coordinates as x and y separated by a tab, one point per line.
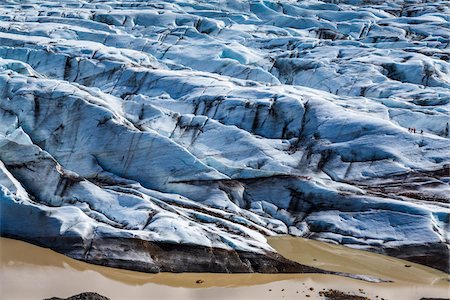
421	131
414	130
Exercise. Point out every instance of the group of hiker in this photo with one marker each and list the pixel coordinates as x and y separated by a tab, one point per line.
413	130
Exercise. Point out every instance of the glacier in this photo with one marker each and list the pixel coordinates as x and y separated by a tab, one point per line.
175	135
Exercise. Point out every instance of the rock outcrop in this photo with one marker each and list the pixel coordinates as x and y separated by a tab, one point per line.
82	296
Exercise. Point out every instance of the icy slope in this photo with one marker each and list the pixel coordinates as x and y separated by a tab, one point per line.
175	135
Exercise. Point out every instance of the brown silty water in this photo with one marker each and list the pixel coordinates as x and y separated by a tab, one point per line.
31	272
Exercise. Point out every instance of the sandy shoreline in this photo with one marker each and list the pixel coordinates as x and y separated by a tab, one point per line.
31	272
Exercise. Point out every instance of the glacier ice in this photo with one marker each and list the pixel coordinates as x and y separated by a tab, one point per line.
131	128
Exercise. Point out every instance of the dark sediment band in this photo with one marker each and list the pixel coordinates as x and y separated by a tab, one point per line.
154	257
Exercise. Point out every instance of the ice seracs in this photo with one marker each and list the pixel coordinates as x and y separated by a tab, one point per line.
174	129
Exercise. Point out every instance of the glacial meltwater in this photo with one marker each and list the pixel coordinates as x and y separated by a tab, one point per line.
31	272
